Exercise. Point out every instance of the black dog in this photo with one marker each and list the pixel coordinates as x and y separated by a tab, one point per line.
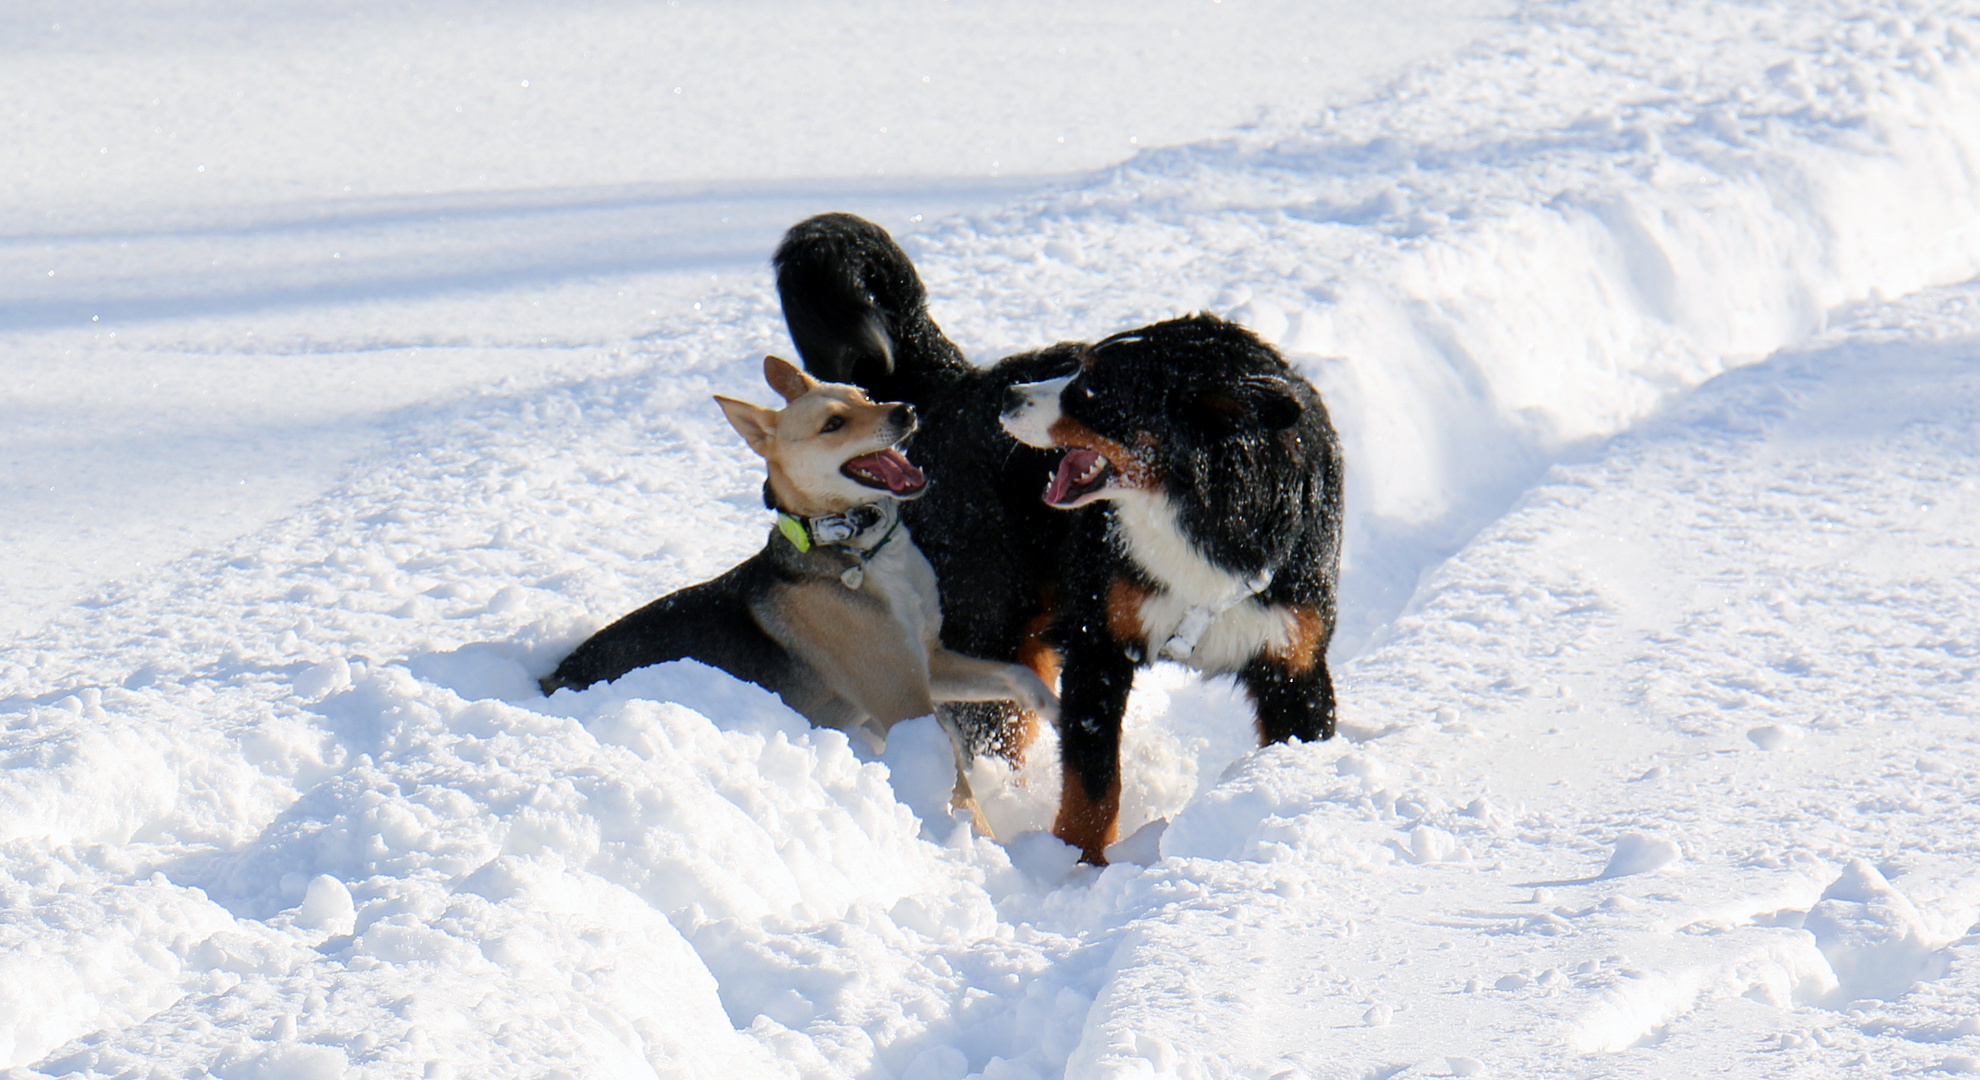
1202	477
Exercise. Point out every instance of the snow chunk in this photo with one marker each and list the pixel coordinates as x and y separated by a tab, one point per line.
733	704
327	906
1428	845
1775	736
1043	856
324	679
921	762
1144	848
1639	854
1875	939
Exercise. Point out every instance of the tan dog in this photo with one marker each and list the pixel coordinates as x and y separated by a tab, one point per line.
838	614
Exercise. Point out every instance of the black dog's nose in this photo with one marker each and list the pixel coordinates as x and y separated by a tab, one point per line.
902	416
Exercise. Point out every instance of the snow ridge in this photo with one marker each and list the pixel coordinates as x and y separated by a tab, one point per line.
1529	247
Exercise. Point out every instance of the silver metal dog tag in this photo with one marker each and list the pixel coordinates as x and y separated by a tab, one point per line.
854	577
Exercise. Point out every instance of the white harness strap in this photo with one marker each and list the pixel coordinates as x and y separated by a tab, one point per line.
1196	621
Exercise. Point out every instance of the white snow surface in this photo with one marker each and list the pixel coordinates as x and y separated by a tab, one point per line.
237	237
1653	332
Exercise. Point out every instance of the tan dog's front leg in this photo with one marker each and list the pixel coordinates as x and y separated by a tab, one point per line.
955	677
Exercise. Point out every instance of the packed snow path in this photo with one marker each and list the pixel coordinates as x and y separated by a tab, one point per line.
1664	773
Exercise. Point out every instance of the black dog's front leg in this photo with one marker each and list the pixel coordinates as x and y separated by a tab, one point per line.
1292	702
1093	696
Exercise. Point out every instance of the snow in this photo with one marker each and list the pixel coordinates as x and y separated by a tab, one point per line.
1651	329
241	239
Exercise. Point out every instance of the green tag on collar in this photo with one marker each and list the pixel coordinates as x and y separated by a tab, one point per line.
794	531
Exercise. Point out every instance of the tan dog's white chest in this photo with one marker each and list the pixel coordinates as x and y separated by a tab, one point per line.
1146	528
901	577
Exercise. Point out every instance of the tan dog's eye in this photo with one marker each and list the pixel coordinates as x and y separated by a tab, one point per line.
832	425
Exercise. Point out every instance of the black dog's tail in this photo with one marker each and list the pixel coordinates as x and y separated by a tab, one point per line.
857	310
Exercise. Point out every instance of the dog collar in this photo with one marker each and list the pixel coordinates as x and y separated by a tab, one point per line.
1198	618
839	530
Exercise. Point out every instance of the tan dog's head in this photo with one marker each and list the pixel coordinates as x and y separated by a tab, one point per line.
829	448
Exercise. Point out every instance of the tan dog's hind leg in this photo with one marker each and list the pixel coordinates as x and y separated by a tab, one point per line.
955	677
964	797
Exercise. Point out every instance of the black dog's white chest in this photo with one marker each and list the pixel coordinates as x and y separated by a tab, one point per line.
1200	614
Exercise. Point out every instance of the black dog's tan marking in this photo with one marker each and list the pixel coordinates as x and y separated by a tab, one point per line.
1087	821
1130	468
1306	646
1124	600
1192	478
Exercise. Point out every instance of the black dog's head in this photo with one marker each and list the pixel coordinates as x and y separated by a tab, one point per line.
1195	402
1197	410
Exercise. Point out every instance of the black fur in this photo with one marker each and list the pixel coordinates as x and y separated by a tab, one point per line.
1243	445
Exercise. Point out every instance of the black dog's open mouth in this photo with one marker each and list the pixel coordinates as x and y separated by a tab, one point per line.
1081	475
889	470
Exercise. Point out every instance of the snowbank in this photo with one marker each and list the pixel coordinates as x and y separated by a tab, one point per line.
1528	248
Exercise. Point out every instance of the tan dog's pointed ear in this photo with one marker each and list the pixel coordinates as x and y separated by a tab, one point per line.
786	378
756	424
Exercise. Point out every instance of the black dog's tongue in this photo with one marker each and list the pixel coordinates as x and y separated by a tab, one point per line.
890	467
1078	471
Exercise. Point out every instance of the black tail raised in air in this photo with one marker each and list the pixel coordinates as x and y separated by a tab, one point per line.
857	310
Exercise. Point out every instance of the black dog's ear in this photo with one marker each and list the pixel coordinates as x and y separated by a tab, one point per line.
1277	408
1268	402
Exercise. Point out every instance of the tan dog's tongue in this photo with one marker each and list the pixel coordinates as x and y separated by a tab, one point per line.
893	467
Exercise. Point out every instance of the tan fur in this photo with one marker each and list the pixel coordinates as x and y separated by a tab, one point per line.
858	647
1087	823
1034	652
1130	470
1302	648
1124	600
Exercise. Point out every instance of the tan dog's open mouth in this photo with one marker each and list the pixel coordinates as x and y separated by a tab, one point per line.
888	470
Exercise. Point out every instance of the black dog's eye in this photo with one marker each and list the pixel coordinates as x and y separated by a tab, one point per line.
1087	392
832	425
